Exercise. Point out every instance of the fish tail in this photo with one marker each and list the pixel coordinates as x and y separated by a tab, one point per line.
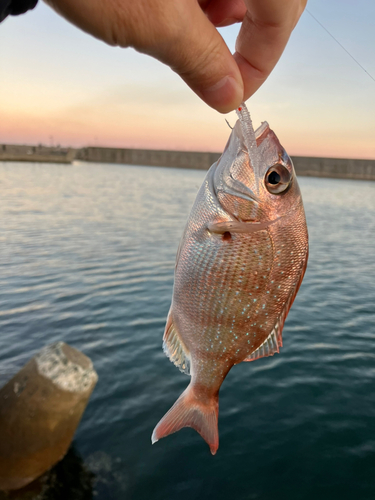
190	411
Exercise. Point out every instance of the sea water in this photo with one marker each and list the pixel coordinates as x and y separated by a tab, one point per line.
87	257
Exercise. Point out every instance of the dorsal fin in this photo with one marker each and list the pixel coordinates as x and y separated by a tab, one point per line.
174	348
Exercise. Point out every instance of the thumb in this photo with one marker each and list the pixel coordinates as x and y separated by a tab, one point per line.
197	52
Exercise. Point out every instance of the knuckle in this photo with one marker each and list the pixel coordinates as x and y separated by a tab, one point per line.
201	65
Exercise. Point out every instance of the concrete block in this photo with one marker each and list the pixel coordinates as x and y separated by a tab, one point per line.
40	409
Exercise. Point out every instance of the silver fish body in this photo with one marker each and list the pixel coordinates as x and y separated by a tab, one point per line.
240	263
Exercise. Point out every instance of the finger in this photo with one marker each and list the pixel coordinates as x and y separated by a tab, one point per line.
264	34
225	12
197	52
177	33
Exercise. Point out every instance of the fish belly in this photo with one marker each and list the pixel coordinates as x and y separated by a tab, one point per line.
221	293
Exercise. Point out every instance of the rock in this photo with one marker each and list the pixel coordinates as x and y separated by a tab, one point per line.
40	409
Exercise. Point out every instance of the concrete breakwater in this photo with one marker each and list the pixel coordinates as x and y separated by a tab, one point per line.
40	153
149	157
306	166
339	168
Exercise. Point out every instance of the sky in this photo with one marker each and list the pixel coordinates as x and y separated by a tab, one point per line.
62	86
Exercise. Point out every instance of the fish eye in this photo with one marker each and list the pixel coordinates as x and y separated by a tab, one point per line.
277	179
273	177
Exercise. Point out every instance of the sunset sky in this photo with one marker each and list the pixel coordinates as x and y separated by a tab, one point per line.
61	86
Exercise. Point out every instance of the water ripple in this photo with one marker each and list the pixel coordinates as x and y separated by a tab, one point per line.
297	425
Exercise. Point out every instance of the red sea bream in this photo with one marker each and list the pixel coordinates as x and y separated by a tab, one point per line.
239	266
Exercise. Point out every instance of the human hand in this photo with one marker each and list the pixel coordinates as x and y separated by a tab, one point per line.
183	35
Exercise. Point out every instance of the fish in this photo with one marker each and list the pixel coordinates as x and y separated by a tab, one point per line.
239	265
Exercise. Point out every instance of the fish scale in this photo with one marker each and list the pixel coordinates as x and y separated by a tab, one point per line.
204	315
240	263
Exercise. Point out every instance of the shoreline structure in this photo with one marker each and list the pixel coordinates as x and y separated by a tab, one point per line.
339	168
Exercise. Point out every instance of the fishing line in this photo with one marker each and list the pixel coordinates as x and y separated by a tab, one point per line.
229	125
341	45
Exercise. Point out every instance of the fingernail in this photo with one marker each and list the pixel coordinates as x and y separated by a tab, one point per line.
224	96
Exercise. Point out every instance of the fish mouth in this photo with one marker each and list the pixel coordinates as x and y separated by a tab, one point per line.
241	149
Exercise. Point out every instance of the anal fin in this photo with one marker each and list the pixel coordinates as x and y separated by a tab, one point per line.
270	346
174	348
274	340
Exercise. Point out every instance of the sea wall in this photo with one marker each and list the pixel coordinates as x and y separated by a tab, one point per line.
40	153
339	168
149	157
305	166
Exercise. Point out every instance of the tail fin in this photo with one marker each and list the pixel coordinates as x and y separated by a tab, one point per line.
189	411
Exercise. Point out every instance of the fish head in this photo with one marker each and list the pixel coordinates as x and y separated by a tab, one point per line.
254	179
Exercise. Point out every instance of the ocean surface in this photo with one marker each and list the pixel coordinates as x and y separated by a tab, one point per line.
87	256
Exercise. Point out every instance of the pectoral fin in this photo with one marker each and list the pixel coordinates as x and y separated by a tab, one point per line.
234	226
